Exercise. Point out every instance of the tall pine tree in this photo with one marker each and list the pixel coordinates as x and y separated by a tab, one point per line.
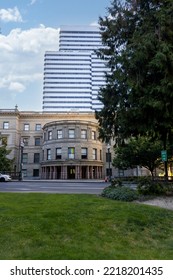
137	38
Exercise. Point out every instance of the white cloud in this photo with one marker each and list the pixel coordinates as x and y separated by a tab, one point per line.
22	59
32	2
7	15
15	86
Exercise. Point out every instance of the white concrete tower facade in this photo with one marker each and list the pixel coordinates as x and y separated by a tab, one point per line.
73	74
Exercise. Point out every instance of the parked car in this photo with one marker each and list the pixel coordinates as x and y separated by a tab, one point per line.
4	178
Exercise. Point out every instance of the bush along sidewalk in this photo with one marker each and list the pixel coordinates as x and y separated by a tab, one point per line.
117	191
145	187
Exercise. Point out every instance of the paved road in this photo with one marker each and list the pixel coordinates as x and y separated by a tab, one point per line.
54	187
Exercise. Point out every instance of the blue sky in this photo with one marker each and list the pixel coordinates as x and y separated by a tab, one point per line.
28	29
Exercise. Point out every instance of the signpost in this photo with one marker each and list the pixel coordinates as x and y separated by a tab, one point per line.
164	155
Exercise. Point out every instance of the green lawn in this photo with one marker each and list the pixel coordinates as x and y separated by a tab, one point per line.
70	227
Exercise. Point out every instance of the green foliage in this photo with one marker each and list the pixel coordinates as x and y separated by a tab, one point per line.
138	96
116	183
142	151
121	193
146	186
6	164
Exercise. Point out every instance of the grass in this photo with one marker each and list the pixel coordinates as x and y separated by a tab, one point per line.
71	227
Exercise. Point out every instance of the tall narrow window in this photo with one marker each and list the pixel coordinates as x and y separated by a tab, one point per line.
84	153
71	133
94	153
49	135
59	133
93	135
83	134
37	141
36	157
25	158
71	153
48	154
58	153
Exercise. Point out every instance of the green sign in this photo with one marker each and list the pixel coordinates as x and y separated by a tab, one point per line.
164	155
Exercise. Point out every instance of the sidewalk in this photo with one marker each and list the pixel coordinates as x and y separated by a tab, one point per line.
65	181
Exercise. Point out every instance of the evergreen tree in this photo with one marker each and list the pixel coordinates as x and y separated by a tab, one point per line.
137	38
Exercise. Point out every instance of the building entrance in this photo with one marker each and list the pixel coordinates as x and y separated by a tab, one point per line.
70	172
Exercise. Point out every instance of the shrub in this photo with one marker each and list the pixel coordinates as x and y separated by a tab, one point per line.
147	186
120	193
116	183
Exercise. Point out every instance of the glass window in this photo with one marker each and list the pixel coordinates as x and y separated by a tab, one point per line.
36	157
37	141
58	153
49	135
37	127
71	133
25	158
84	153
26	126
83	134
35	172
94	153
93	135
48	154
5	125
71	153
59	133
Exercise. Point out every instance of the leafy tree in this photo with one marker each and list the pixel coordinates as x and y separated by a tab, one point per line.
6	164
137	38
141	151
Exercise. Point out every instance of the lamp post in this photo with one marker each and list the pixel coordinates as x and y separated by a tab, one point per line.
21	160
109	162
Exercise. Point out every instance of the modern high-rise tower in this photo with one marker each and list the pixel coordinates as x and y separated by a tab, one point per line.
74	73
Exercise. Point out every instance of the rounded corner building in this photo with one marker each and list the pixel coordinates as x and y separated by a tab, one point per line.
71	150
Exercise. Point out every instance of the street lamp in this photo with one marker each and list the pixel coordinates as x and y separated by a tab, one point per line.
21	161
109	162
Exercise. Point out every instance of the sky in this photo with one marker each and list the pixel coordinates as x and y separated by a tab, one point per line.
28	28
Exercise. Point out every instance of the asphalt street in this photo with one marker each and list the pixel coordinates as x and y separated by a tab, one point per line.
69	187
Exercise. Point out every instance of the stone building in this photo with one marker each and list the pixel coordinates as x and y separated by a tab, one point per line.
54	145
57	145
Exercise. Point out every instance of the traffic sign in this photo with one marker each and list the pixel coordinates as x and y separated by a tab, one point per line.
164	155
